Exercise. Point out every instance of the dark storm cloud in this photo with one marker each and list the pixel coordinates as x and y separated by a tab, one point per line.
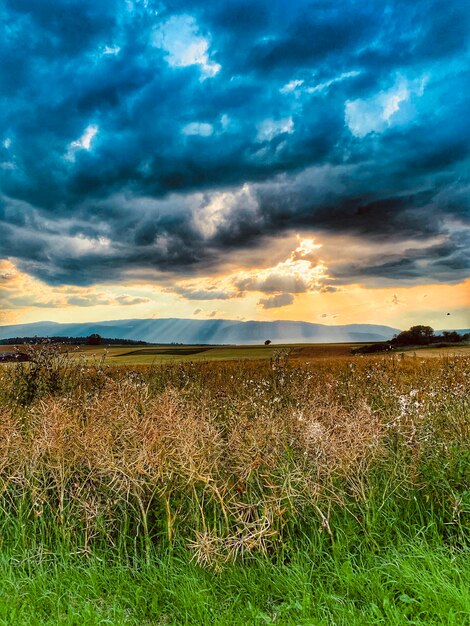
446	261
121	121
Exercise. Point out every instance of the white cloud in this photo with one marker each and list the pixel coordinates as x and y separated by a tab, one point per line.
291	86
228	124
7	165
302	271
82	143
180	38
376	114
216	213
111	50
198	128
80	244
302	86
86	139
270	128
337	79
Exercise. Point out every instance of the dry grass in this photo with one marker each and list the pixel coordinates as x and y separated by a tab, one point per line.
230	458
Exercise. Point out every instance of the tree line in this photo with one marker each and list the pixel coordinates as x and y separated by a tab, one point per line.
92	340
416	336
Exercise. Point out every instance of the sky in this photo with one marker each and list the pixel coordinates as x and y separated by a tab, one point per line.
238	159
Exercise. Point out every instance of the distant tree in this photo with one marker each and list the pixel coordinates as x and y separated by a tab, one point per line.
267	342
383	346
416	335
76	341
94	340
451	336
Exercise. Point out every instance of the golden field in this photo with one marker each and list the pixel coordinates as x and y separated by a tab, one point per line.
230	457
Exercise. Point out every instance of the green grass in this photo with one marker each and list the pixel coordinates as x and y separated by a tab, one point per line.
161	355
158	354
211	354
168	354
138	355
412	583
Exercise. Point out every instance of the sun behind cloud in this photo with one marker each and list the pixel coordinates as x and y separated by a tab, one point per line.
156	157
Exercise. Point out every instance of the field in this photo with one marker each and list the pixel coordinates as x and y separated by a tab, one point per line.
235	485
160	354
171	354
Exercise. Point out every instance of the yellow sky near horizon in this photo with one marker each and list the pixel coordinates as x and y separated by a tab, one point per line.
295	285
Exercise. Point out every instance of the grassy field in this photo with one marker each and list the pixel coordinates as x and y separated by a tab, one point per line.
148	355
159	354
299	487
430	352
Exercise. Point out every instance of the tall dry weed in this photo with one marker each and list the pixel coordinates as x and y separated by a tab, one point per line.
228	457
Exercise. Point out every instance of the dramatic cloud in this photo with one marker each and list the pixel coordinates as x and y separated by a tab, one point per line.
179	36
140	140
301	272
381	111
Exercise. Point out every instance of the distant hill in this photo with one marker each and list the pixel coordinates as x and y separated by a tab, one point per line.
217	331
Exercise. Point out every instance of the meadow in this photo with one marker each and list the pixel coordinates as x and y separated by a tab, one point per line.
170	354
275	485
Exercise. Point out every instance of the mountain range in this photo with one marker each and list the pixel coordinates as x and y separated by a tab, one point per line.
216	331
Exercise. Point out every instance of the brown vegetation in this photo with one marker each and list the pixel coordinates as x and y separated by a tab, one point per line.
229	457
